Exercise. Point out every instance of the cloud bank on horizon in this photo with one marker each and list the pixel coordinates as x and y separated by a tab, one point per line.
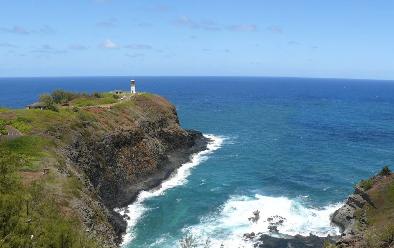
343	39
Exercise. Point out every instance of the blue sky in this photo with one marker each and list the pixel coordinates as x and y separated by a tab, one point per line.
301	38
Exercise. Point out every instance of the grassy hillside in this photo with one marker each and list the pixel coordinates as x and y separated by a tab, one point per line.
374	220
38	192
380	219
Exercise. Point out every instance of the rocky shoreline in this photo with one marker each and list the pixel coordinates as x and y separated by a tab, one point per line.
353	218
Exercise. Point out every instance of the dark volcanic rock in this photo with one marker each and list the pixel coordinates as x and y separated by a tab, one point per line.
344	217
298	241
118	163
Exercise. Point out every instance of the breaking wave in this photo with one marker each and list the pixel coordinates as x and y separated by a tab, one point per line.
230	223
136	210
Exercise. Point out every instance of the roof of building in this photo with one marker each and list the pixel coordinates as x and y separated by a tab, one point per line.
37	105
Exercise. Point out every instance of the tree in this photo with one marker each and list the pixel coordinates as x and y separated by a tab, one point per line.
61	96
48	101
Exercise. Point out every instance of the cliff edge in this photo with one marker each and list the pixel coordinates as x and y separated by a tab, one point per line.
87	159
367	217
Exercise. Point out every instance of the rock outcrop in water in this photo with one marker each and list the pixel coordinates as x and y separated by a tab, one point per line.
366	220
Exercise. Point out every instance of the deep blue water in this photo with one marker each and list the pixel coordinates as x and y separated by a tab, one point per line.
290	146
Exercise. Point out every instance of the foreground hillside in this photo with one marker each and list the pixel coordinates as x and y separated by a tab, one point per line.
367	218
64	169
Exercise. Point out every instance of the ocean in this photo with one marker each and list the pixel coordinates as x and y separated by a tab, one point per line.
291	147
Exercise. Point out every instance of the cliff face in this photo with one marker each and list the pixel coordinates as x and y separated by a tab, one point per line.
367	217
90	160
146	146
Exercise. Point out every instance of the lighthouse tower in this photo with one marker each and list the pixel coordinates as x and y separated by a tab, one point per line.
132	87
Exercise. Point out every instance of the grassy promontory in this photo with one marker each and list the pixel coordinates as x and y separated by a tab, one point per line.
367	218
64	169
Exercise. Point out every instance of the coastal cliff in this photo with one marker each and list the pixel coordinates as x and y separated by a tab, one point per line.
89	159
367	217
365	220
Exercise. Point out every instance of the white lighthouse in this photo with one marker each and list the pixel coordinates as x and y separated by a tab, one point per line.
132	87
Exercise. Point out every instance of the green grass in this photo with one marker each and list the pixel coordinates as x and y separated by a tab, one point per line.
30	217
73	186
366	184
106	98
22	124
3	129
147	95
31	148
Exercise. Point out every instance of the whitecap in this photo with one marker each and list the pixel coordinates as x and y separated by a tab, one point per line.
230	223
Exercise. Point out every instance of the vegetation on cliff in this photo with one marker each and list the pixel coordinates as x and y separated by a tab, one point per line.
68	166
368	215
29	217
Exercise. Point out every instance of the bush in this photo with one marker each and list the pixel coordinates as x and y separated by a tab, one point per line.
97	95
366	184
62	97
3	129
22	124
385	171
48	101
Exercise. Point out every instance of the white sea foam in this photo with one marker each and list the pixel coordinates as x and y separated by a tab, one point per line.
229	224
136	210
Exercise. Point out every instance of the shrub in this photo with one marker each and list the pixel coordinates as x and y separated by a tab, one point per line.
366	184
61	96
382	238
385	171
48	101
97	95
328	244
29	217
3	129
22	124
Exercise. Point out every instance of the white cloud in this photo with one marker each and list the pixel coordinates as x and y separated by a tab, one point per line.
109	44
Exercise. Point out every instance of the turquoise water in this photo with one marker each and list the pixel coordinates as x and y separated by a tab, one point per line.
292	147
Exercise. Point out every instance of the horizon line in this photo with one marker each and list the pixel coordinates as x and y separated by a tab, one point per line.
185	76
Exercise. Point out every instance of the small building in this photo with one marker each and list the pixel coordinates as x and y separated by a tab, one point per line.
37	105
132	87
